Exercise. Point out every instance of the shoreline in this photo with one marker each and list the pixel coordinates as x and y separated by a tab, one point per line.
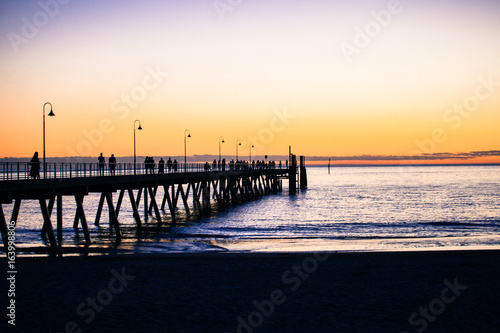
260	245
230	292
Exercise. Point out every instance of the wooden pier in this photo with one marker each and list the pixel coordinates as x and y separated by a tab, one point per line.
207	189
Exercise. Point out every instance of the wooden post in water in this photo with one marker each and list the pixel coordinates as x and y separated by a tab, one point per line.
303	173
292	175
329	166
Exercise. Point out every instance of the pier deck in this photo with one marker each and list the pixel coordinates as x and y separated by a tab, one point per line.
198	183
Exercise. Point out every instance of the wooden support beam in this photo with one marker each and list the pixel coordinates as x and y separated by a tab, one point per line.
47	224
15	210
146	204
170	203
134	208
196	196
260	185
232	190
175	196
77	216
152	195
275	184
109	198
184	199
238	189
81	216
119	203
222	193
216	193
138	200
113	221
51	205
155	206
59	220
206	197
165	193
225	191
4	230
99	209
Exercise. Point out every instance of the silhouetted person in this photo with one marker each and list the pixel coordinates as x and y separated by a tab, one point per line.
146	164
223	164
152	165
112	164
161	165
100	159
175	165
35	166
214	165
169	164
149	164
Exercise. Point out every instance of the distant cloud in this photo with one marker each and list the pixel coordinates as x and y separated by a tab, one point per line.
423	157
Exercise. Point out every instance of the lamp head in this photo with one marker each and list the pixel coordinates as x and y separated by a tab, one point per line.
223	141
51	114
239	144
139	128
189	135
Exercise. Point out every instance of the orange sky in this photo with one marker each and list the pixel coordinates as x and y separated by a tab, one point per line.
428	80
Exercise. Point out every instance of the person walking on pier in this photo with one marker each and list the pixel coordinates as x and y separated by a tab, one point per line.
112	164
146	164
175	165
149	164
35	166
152	165
169	164
161	165
100	159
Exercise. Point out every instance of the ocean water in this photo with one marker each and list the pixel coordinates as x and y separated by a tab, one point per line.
351	209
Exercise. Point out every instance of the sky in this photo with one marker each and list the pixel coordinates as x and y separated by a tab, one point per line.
372	80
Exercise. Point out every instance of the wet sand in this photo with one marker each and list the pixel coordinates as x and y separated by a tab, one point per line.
444	291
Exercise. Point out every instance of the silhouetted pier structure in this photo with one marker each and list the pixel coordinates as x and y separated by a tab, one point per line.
224	185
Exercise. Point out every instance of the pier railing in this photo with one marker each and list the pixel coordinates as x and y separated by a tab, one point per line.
23	170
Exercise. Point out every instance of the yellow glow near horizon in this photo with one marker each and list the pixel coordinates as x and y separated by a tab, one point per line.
176	66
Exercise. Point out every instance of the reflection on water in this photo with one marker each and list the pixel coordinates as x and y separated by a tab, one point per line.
352	205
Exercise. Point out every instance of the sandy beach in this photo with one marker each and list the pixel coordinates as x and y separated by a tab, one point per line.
445	291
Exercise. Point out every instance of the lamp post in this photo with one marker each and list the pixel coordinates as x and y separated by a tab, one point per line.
185	158
250	150
238	143
51	114
139	128
220	141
